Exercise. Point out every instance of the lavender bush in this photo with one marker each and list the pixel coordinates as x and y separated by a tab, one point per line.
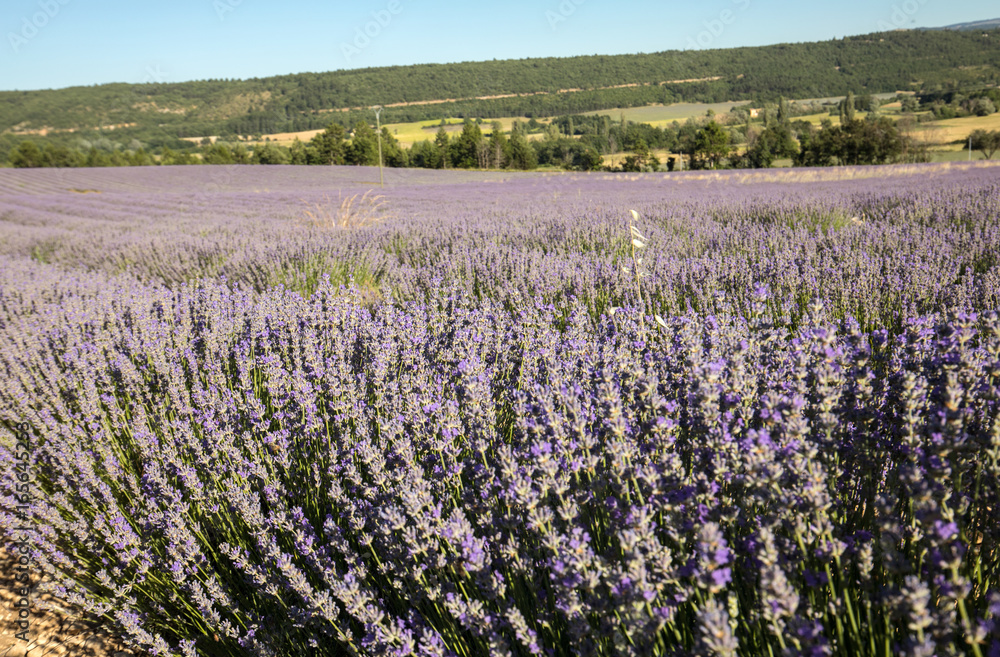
433	436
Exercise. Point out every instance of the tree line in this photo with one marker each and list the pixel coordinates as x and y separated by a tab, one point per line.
577	142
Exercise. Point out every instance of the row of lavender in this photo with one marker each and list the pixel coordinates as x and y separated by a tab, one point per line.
927	245
485	461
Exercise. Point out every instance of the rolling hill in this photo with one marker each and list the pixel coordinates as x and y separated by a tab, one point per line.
160	114
990	24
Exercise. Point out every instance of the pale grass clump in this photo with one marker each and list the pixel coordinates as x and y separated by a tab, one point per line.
357	211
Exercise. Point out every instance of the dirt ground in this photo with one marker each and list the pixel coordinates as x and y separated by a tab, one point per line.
62	631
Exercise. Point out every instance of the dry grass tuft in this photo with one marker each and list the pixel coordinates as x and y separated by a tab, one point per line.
355	211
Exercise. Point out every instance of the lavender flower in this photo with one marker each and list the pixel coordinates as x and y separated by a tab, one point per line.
432	436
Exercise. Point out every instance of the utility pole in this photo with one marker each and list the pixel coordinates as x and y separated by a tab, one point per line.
378	127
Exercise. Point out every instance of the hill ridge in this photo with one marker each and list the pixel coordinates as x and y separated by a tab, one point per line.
160	114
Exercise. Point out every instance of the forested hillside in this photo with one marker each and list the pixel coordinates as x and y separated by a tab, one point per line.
158	114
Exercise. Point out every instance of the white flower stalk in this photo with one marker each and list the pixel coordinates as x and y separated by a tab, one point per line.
638	242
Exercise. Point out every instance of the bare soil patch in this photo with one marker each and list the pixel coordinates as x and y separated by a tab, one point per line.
54	627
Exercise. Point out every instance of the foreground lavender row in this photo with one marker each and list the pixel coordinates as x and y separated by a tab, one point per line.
471	454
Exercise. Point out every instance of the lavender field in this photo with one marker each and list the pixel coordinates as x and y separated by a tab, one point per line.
480	425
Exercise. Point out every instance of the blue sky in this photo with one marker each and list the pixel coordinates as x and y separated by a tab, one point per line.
60	43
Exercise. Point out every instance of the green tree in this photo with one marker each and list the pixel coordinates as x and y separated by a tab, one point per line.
297	153
765	146
710	146
119	159
522	155
686	135
815	149
139	158
604	134
184	157
982	107
392	154
363	149
60	156
217	154
885	143
498	147
589	160
425	154
875	140
269	154
987	143
240	154
784	112
847	109
631	163
468	149
442	142
329	145
641	158
27	155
